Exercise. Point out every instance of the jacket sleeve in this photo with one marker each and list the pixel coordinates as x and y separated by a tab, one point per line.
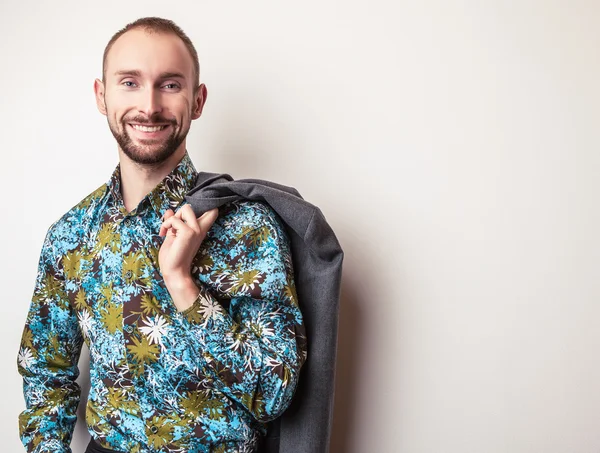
47	361
255	349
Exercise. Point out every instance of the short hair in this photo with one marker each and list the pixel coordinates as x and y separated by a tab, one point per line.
156	25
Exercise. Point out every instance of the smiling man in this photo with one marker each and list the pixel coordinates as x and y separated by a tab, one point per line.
195	335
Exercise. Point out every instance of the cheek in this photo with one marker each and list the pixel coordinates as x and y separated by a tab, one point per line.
114	117
182	107
116	106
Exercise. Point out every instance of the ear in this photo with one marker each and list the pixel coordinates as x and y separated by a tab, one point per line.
199	101
99	92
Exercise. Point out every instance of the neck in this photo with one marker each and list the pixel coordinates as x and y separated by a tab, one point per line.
137	180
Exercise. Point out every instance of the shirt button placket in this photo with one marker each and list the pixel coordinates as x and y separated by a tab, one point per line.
127	328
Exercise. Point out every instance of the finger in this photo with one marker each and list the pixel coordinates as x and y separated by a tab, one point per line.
206	220
176	223
187	214
168	213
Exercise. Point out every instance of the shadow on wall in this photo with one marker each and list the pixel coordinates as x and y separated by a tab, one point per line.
349	353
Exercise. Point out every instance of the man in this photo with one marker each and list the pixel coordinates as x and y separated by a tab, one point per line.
195	335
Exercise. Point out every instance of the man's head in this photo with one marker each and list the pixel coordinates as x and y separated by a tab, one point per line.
150	89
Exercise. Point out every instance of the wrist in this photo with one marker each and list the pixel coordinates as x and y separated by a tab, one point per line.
177	280
183	290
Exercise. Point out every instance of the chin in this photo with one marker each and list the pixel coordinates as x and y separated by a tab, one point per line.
148	156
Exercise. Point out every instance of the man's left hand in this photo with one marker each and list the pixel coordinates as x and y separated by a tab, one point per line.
184	235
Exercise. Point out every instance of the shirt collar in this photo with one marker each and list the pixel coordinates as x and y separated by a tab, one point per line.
169	193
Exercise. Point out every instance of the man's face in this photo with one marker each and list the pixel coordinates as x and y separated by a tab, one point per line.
148	95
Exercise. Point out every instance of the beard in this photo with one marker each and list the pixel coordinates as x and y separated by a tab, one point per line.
151	151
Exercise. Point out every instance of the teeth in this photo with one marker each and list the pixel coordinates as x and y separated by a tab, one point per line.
147	129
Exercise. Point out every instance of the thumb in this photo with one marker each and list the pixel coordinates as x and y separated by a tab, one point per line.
206	220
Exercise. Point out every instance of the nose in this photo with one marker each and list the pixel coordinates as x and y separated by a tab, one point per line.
150	102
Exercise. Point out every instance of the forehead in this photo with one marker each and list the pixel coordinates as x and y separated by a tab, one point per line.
150	53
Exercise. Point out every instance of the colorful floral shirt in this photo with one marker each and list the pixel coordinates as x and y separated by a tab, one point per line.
206	379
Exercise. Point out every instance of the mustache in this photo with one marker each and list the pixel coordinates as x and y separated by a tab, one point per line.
155	119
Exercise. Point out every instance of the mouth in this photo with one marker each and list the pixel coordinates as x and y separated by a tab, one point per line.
145	131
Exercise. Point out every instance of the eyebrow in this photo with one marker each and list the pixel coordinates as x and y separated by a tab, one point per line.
163	75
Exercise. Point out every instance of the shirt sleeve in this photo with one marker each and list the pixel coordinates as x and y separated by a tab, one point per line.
47	361
255	349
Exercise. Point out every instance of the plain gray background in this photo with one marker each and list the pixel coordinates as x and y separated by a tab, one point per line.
452	145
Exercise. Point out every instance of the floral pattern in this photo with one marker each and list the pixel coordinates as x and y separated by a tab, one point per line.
203	380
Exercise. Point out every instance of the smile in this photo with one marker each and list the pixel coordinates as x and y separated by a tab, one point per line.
139	127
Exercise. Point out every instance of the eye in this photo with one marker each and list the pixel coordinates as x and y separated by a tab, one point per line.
171	86
128	81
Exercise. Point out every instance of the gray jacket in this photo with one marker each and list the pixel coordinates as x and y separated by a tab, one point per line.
305	427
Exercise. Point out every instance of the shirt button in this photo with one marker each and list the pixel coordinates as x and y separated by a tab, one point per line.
154	430
128	328
128	274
